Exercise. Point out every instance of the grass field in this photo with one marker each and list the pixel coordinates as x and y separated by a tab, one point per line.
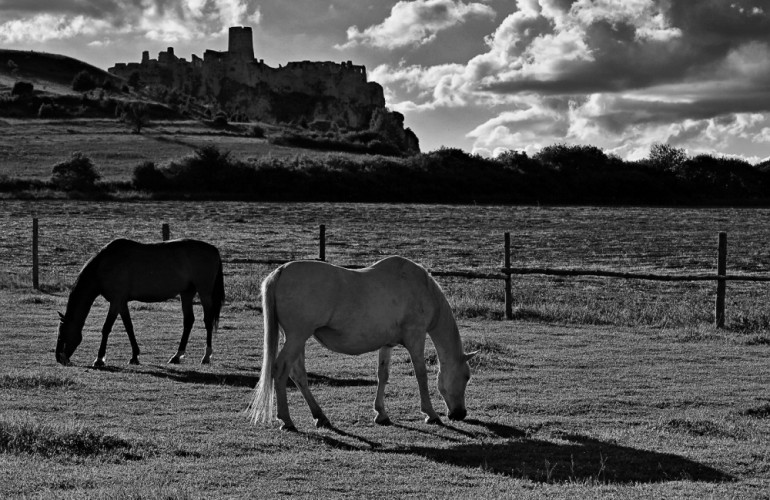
601	387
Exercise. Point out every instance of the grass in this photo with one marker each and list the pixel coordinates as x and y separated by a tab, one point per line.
27	435
600	388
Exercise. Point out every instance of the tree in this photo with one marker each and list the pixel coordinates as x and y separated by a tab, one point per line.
136	115
666	157
134	80
83	82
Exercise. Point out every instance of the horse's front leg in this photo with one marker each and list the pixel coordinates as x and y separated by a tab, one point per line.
188	321
112	314
126	317
416	349
383	373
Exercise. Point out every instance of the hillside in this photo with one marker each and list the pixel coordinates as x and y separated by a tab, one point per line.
48	72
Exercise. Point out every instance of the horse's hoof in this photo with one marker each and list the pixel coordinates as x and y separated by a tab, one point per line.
133	361
322	422
383	421
288	428
99	363
206	361
433	420
175	360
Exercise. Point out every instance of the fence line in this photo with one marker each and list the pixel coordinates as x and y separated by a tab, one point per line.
506	272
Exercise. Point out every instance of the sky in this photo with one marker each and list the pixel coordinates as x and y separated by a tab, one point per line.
485	76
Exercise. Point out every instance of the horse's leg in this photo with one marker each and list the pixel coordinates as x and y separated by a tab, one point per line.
284	362
415	344
383	372
209	322
189	319
299	376
126	317
112	314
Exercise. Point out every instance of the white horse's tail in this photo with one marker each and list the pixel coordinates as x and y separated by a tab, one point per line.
262	406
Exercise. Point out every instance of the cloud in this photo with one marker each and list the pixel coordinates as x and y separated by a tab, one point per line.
415	22
166	20
616	73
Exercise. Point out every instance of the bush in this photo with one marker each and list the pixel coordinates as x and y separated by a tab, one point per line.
51	111
83	82
257	132
147	177
75	174
22	88
220	120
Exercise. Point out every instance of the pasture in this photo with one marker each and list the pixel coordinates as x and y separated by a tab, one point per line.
599	388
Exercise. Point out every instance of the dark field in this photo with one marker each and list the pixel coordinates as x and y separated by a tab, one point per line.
601	387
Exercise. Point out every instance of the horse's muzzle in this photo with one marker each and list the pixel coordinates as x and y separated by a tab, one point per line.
62	358
458	414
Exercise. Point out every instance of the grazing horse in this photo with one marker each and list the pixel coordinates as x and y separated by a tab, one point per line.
126	270
393	302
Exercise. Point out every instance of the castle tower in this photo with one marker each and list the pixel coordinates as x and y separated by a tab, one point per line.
240	42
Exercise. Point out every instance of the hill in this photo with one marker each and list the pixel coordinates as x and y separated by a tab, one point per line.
51	73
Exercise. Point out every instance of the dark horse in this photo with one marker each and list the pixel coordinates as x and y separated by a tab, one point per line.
126	270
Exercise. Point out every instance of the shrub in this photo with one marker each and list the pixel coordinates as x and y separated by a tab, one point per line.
148	177
22	88
83	82
50	111
220	120
257	131
75	174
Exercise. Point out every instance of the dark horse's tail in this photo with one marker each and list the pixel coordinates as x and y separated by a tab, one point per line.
218	294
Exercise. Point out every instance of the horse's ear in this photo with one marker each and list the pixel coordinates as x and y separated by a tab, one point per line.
470	355
61	316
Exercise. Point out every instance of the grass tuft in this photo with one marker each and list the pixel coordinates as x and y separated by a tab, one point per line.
34	380
24	435
758	412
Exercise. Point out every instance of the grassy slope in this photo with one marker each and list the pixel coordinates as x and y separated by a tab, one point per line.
50	72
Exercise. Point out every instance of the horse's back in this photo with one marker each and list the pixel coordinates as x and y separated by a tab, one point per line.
377	302
155	271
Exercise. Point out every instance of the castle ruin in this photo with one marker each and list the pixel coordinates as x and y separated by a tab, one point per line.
237	83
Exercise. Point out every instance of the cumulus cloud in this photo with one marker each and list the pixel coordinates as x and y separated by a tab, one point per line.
616	73
415	22
166	20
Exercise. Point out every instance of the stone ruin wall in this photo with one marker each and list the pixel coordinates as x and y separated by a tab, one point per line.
243	84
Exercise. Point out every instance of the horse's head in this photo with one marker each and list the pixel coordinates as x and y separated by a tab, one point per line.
452	380
68	340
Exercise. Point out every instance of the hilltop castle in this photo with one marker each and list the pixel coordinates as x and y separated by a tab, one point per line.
241	85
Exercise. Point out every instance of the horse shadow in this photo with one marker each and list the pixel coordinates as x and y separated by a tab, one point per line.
574	458
194	376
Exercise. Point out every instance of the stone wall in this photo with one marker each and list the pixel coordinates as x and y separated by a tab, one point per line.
240	84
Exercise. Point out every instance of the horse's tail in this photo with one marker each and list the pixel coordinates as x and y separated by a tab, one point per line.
218	294
262	406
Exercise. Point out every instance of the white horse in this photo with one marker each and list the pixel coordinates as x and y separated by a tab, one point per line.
393	302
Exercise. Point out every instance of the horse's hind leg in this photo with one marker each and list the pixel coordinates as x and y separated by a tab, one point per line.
126	317
299	376
383	373
189	319
208	321
112	314
284	363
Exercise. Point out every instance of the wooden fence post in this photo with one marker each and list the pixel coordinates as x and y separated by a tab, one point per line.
719	306
322	242
166	231
507	261
35	259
